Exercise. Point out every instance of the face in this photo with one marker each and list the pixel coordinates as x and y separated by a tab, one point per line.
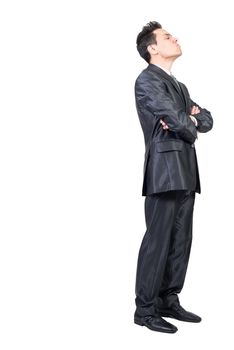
167	45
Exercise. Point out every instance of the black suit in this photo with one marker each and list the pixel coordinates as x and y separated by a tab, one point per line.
173	152
170	180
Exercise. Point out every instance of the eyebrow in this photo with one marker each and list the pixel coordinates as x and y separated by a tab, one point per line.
167	34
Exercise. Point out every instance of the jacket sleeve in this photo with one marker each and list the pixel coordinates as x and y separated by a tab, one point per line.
152	95
204	118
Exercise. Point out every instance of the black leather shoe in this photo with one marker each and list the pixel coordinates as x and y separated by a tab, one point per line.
155	323
180	314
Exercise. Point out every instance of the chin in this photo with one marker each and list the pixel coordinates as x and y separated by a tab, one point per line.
179	53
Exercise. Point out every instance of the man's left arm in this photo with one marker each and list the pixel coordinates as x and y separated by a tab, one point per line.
203	117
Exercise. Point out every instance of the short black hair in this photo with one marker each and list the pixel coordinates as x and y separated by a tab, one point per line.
147	37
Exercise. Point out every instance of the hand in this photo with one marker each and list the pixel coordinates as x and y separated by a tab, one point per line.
164	125
194	110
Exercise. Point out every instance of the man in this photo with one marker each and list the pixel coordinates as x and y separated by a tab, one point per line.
170	121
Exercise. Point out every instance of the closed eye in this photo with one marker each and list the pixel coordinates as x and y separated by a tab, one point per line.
167	36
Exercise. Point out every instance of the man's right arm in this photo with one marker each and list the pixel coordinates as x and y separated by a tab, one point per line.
152	95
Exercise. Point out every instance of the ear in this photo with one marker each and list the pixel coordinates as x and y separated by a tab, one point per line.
152	49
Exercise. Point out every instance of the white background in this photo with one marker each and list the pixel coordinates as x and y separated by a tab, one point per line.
71	166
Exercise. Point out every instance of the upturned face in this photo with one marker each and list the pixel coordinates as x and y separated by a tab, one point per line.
167	45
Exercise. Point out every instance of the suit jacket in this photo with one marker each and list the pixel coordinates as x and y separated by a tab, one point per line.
170	155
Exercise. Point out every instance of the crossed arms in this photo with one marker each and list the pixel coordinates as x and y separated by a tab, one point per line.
152	95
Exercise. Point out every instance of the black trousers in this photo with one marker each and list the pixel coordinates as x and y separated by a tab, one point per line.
165	249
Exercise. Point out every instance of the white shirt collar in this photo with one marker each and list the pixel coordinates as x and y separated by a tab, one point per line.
165	70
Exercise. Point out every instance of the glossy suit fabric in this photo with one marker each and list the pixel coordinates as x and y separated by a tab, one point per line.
165	249
170	155
170	181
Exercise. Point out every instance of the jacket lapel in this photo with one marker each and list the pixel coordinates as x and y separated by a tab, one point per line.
185	96
166	76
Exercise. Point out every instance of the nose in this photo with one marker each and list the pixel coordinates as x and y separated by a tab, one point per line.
174	39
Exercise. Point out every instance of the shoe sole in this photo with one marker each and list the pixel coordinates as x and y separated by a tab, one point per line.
177	318
139	323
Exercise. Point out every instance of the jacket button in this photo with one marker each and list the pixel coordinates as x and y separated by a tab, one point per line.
193	145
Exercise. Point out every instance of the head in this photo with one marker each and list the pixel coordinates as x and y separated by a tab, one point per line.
155	44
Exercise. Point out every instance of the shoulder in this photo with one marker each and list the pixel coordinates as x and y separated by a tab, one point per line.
147	77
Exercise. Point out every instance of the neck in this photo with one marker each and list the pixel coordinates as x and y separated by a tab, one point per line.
167	64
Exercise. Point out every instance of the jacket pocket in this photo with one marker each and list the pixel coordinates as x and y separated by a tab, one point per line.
169	145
